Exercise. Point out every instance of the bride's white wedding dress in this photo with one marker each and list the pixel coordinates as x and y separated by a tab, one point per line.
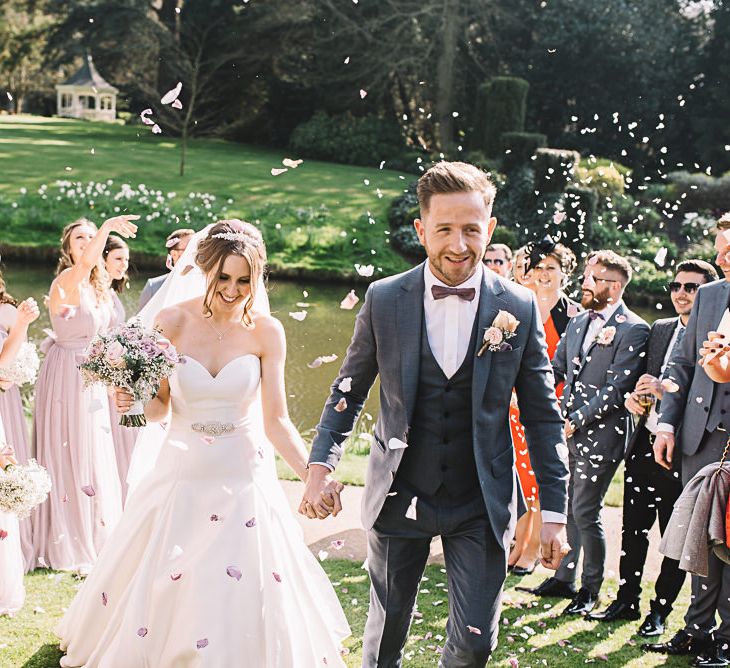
207	566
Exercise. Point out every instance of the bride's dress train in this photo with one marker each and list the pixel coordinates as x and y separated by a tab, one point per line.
207	566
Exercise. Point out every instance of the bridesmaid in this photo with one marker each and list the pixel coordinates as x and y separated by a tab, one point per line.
547	275
71	431
12	566
116	262
14	321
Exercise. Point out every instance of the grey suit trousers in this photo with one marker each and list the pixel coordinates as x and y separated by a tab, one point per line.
476	567
589	481
710	595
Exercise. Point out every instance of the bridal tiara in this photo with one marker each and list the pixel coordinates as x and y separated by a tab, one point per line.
235	236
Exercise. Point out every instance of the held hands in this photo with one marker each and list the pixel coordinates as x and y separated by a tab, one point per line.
28	311
553	544
321	496
122	226
664	449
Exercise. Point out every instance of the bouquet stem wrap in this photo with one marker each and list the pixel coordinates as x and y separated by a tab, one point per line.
134	417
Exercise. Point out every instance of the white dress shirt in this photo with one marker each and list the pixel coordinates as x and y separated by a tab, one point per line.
595	326
652	422
449	321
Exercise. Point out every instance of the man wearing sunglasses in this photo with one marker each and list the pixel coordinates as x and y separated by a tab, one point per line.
600	357
649	489
697	413
498	258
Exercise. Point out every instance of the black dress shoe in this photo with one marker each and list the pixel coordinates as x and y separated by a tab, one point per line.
521	571
617	610
717	655
551	587
583	602
653	625
681	644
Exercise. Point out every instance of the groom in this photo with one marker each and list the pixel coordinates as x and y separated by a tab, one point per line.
449	342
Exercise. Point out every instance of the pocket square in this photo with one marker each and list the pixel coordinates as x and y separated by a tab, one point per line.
396	444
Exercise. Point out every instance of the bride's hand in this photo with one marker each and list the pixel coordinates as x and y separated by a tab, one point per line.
122	400
321	494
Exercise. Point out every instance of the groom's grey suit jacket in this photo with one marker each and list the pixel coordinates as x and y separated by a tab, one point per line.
386	342
699	403
597	380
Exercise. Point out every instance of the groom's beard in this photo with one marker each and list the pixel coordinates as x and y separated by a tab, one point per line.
595	300
451	273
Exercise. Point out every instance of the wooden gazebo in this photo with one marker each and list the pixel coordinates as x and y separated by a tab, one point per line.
87	95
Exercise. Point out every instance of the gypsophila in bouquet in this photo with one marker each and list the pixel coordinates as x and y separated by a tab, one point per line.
23	487
24	368
132	357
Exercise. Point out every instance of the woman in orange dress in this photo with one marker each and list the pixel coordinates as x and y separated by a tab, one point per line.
546	273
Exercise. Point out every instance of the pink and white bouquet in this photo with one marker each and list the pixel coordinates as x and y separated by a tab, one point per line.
24	368
23	487
132	357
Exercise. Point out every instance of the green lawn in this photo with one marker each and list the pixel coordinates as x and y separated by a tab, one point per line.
329	216
531	631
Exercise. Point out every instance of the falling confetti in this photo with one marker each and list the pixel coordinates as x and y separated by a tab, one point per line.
203	642
365	269
345	384
104	598
251	523
175	576
668	385
411	512
363	94
277	577
341	405
234	573
298	315
661	257
88	490
337	544
142	631
348	303
172	94
275	171
156	129
323	554
3	534
293	164
474	630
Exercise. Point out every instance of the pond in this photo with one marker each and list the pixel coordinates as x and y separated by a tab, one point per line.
326	330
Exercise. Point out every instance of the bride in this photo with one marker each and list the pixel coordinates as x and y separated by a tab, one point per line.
207	566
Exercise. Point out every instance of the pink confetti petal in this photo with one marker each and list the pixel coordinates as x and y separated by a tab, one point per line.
293	164
175	576
341	405
315	363
215	518
298	315
88	490
234	573
3	534
104	598
668	385
337	544
176	104
276	171
251	523
558	217
363	94
573	310
142	631
277	577
345	385
348	303
208	440
156	129
474	630
412	513
144	117
172	94
203	642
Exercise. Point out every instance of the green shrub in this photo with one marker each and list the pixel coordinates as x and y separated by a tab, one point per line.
517	148
405	241
516	204
410	161
404	208
502	107
606	178
699	192
506	235
554	169
362	140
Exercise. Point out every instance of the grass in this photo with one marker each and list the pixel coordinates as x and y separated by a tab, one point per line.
531	631
330	216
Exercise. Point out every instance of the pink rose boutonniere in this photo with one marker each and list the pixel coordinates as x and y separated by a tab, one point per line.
605	336
503	327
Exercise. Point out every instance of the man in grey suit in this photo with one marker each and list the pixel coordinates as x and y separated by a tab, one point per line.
176	243
697	413
442	461
600	356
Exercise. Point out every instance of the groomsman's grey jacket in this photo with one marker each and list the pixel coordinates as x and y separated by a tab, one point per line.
597	380
697	405
386	342
150	289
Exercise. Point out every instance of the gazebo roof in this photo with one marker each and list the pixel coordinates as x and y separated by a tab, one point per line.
87	75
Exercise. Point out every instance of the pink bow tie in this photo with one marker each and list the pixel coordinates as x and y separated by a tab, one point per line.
440	291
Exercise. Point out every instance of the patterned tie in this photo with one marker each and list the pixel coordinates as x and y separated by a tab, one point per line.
593	315
441	291
675	348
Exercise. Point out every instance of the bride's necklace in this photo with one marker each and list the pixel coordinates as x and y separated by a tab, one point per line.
218	334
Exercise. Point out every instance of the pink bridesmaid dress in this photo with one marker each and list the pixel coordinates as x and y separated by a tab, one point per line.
124	437
12	565
72	439
16	427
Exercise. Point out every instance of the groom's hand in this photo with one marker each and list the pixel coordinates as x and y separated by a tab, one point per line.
321	493
553	544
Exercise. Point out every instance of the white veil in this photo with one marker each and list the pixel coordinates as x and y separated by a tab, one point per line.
185	281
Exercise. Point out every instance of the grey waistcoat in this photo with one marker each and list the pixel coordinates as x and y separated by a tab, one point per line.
440	450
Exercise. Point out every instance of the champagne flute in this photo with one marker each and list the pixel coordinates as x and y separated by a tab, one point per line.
646	401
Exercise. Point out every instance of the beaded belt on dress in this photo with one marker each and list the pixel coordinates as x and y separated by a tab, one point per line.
214	428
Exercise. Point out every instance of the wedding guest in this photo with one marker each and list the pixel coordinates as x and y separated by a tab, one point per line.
498	258
600	358
693	428
71	431
650	490
116	263
176	243
13	333
551	271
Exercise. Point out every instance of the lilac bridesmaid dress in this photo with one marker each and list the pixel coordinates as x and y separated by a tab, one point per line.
124	437
72	439
12	565
16	428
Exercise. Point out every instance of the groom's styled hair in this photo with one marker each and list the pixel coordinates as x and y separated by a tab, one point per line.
454	177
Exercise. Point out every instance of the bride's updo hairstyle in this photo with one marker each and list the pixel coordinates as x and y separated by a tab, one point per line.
231	237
